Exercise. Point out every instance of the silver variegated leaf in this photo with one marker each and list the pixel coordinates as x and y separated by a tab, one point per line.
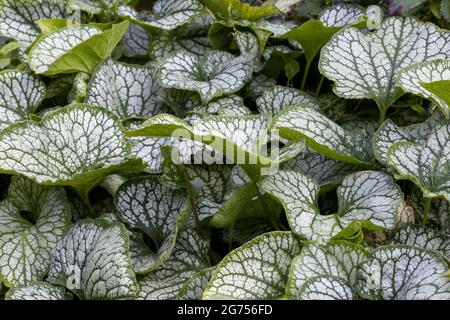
389	133
427	165
189	256
193	288
167	14
211	76
159	212
137	41
404	273
277	98
411	79
92	260
27	240
126	90
421	237
338	259
342	15
256	270
20	95
321	134
19	18
38	290
366	65
76	146
232	105
326	288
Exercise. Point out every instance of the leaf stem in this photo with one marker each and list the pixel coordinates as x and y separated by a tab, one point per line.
426	210
305	74
319	87
382	115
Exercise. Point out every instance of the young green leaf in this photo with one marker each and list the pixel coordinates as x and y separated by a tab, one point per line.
32	219
189	256
92	260
256	270
19	18
75	146
404	273
167	14
145	204
38	290
337	259
430	80
427	165
367	65
126	90
227	10
74	49
20	95
214	75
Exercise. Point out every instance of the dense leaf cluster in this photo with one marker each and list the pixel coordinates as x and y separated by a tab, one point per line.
205	149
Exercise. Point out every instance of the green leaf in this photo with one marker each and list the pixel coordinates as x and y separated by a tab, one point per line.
389	133
74	49
278	98
20	95
404	273
338	259
366	65
256	270
126	90
32	219
430	80
167	14
189	256
320	134
427	165
75	146
211	76
366	196
38	290
146	205
19	18
92	260
226	10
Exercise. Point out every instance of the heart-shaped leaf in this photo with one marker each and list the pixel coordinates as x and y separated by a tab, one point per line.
422	237
342	15
126	90
427	165
74	49
367	65
76	146
167	14
299	193
32	219
404	273
20	95
159	212
92	260
211	76
19	18
277	98
189	256
320	134
389	133
256	270
38	290
426	79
